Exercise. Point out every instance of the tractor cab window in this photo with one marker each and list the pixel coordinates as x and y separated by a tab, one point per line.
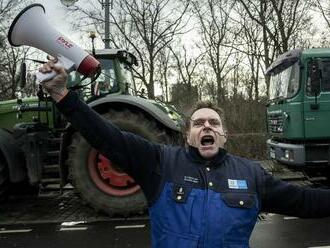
127	76
284	84
106	82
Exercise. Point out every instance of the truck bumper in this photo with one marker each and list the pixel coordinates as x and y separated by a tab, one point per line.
290	154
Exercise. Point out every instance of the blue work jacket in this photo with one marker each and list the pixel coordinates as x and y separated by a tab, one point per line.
195	202
205	203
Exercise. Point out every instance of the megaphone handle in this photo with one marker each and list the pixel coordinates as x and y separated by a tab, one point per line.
62	61
42	77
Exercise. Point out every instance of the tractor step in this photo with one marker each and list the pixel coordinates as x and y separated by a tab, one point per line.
51	181
50	186
54	140
53	153
53	168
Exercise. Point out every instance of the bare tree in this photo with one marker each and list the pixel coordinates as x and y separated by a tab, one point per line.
10	57
152	27
165	71
280	21
146	27
9	70
7	8
251	37
324	8
216	34
186	66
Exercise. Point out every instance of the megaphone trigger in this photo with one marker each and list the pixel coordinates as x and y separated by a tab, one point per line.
49	57
61	61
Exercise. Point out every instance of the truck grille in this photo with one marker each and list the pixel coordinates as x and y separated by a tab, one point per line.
275	123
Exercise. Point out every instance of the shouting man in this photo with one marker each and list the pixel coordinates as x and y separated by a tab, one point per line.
198	195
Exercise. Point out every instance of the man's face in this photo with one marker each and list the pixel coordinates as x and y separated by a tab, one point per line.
206	132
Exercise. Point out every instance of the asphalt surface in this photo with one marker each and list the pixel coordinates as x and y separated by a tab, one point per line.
272	232
290	232
54	220
51	208
28	221
112	234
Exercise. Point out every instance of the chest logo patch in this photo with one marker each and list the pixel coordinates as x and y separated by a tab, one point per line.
237	184
190	179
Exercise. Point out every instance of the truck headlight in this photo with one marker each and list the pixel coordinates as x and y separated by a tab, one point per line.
288	155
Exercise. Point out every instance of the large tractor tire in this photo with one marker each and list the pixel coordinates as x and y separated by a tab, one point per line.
4	180
101	183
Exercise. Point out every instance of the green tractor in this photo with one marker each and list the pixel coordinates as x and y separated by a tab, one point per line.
38	146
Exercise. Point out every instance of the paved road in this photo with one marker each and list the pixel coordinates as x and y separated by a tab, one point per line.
290	232
32	222
110	234
275	231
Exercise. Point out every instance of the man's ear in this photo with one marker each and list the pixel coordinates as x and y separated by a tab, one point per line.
224	137
187	139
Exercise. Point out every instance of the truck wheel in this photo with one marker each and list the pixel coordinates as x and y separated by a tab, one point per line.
4	179
101	183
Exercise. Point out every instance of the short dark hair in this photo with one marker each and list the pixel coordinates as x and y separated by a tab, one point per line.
200	105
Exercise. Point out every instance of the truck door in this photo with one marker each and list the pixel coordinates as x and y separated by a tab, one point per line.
317	105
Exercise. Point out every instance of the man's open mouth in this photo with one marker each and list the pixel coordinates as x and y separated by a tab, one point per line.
207	140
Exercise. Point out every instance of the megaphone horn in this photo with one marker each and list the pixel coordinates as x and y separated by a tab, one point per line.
30	27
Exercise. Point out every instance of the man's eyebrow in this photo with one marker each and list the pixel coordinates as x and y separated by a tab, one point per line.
203	118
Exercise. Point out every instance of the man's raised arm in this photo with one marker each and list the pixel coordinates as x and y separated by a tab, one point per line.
136	156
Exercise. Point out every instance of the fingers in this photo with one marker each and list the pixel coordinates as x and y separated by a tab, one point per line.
51	66
47	67
59	69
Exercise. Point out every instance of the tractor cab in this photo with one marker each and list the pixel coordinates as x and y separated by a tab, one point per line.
115	77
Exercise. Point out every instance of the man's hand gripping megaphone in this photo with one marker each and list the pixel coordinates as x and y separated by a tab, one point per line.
55	86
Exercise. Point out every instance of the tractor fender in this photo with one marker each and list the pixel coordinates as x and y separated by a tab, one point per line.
14	157
159	111
102	105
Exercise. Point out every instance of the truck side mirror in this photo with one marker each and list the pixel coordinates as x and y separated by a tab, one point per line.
22	78
315	76
314	82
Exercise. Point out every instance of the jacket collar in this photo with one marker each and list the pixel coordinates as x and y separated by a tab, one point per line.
194	155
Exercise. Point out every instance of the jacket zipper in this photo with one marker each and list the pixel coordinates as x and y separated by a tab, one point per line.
206	201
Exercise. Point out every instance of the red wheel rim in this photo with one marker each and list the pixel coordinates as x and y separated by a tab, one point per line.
108	178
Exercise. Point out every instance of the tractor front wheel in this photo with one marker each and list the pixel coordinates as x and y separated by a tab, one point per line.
102	183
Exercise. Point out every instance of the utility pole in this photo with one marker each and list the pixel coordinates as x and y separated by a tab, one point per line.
106	24
106	6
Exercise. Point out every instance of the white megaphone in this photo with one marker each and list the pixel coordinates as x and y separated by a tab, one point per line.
31	28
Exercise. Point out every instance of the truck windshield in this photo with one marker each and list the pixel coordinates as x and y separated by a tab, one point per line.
284	84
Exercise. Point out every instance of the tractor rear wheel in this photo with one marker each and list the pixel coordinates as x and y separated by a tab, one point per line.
100	182
4	179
